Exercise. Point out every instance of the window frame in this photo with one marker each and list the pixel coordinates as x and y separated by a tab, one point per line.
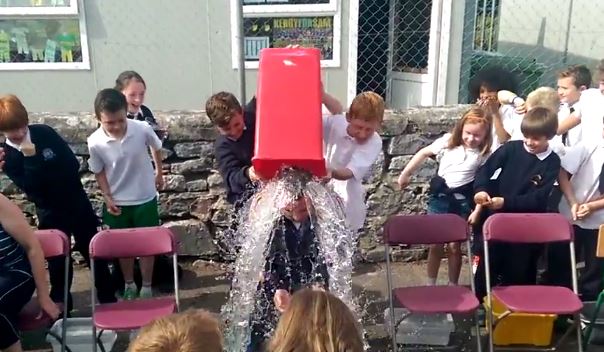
332	9
47	12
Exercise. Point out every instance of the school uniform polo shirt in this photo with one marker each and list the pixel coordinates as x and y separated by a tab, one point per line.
584	162
457	165
511	124
343	151
126	162
590	110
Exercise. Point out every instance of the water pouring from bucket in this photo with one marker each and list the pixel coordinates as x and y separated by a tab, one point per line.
278	250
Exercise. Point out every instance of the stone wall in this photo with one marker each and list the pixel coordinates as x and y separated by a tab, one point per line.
193	202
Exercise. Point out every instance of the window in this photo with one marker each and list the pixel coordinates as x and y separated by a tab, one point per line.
278	23
411	36
47	35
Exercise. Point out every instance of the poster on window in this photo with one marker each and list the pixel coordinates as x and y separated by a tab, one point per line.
40	40
278	32
285	2
36	3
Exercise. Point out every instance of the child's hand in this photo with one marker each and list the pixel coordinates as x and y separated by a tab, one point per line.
496	203
281	300
111	207
28	149
474	217
574	209
2	156
482	198
404	180
519	105
252	175
159	180
583	211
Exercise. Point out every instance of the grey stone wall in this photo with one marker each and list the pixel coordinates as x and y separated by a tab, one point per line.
193	202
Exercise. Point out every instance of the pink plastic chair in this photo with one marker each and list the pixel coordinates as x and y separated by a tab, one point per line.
532	228
54	244
131	243
428	229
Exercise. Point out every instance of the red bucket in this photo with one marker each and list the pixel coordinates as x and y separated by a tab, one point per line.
289	128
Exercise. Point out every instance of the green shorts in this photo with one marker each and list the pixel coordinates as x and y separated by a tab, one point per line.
142	215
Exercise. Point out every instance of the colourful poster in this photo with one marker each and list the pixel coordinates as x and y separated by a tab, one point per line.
278	32
285	2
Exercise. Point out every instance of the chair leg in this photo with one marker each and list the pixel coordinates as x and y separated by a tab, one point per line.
98	340
592	321
579	333
477	327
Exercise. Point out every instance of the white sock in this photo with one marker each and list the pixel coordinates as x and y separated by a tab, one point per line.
146	290
130	285
431	281
451	283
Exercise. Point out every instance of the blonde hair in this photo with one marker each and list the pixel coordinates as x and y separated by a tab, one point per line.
544	97
367	106
316	321
191	331
476	115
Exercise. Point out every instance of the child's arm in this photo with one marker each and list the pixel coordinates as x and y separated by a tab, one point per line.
416	161
331	103
491	106
536	200
159	176
507	97
475	215
360	163
101	179
567	190
569	123
484	173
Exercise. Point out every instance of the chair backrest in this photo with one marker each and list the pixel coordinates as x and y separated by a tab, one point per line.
129	243
425	229
54	243
527	228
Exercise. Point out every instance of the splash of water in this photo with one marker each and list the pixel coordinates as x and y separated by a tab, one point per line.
257	221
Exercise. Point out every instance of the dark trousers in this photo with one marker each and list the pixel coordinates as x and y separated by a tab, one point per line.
558	264
16	288
511	264
82	223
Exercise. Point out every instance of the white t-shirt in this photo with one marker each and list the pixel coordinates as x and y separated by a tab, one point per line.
457	165
343	151
584	162
126	162
590	109
511	124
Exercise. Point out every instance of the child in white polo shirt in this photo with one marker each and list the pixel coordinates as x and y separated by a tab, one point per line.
351	146
460	154
120	160
584	206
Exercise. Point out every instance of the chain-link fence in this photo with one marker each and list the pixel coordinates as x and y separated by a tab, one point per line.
531	39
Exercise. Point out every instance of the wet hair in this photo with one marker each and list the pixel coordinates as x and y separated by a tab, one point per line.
544	97
580	73
222	107
494	79
539	122
13	114
367	106
123	80
476	115
316	321
109	100
191	331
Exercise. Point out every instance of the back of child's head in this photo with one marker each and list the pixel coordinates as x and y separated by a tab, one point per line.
539	122
600	72
479	116
13	114
191	331
367	106
580	74
109	100
543	97
493	79
316	321
222	107
122	81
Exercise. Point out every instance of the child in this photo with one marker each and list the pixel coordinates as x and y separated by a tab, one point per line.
528	171
192	331
460	154
351	146
571	83
583	206
120	161
588	111
43	166
317	321
483	90
234	146
293	262
132	85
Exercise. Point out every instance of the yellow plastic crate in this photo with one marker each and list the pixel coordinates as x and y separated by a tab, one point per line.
520	328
